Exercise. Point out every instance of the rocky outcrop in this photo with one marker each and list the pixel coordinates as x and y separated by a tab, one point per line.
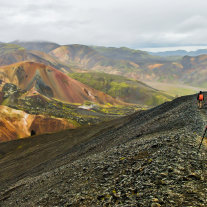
42	125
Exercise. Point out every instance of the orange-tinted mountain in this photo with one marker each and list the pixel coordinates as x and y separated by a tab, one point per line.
11	53
16	124
52	83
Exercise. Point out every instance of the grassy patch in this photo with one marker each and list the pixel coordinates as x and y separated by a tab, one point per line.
175	90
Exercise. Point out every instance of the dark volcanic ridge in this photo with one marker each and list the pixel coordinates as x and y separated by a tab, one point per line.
146	159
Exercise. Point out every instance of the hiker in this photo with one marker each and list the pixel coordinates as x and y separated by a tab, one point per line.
200	99
33	132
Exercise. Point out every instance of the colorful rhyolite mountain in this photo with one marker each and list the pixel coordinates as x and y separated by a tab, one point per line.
52	83
123	61
18	124
134	64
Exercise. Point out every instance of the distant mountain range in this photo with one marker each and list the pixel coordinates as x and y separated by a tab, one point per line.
134	64
42	46
11	53
86	58
120	61
123	61
180	53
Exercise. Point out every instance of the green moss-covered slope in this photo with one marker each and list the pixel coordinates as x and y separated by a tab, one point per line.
127	90
8	48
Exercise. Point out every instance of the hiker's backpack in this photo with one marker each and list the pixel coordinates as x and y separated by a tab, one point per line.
200	98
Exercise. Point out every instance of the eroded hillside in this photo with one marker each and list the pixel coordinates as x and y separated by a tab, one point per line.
15	124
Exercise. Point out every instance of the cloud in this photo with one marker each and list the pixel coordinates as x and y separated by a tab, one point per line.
133	23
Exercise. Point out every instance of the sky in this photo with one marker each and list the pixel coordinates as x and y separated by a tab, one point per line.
129	23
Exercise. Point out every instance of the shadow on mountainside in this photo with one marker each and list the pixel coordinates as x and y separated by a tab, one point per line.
146	159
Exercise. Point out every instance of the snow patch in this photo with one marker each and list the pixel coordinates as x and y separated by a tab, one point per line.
25	119
86	107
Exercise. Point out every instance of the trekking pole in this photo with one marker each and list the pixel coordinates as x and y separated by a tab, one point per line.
202	138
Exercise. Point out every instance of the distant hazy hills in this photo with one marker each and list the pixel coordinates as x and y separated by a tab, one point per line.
180	53
86	58
123	53
11	53
38	45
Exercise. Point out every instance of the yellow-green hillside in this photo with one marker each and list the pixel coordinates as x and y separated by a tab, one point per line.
122	88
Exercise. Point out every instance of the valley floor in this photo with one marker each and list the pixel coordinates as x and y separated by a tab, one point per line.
146	159
175	89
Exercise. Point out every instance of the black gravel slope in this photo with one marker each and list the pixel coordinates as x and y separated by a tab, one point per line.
146	159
